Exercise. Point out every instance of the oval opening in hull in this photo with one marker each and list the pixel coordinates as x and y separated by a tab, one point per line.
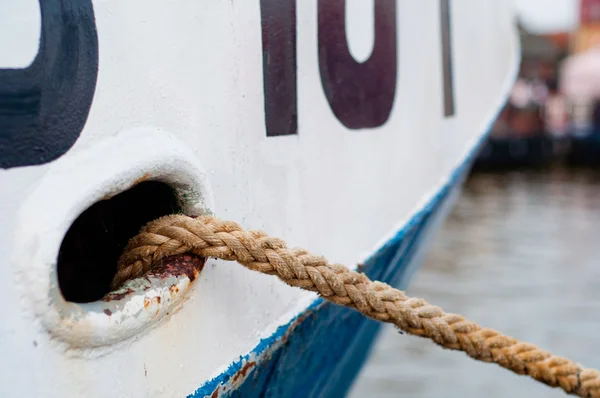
87	260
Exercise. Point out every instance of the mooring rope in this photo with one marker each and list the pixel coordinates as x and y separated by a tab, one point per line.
210	237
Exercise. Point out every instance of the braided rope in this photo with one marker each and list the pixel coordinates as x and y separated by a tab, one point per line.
211	237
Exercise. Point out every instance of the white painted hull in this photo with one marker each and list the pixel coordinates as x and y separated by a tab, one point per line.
180	98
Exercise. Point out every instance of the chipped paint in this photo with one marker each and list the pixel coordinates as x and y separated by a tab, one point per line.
244	370
183	264
88	325
139	302
394	262
236	379
238	372
284	185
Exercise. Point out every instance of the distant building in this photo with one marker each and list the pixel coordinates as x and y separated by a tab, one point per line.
587	35
589	11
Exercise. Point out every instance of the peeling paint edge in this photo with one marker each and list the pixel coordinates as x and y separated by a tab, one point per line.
260	353
268	345
150	153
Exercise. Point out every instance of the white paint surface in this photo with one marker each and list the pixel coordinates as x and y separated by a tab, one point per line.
547	16
20	27
360	28
194	69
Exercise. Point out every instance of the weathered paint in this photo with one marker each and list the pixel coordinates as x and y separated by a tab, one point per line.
79	326
180	97
319	353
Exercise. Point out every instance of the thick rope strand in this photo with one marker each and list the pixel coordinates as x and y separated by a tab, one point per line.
210	237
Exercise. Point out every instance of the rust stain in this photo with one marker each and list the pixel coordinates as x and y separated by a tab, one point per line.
108	312
240	375
242	372
187	264
143	178
294	325
148	302
117	296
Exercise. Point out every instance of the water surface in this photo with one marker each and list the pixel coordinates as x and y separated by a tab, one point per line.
519	253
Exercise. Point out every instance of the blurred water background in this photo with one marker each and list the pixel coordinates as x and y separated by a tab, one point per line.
519	253
521	250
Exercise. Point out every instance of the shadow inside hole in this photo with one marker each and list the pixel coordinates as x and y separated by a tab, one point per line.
87	260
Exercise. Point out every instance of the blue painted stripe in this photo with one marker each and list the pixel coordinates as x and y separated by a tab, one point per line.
321	350
286	360
289	351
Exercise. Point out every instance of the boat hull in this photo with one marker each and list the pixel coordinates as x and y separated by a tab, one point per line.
320	352
339	126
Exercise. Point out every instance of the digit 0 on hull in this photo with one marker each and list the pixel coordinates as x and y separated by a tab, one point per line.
342	126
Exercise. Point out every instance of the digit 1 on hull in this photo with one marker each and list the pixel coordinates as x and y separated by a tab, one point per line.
259	112
360	94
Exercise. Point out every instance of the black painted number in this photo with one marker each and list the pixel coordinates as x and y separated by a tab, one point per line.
360	94
44	107
447	59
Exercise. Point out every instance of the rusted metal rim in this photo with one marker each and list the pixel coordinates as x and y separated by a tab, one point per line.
46	216
141	301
